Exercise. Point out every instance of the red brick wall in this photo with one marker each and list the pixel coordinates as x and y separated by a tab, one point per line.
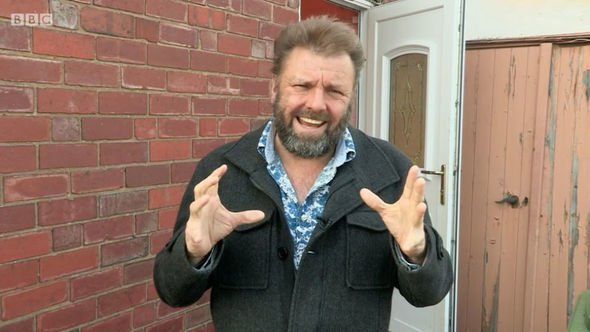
103	117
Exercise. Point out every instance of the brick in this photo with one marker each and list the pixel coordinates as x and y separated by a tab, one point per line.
65	129
123	251
143	78
97	180
242	25
147	29
34	187
29	70
59	100
251	87
67	155
34	299
121	300
138	271
171	325
167	56
108	229
257	8
182	172
179	35
208	127
177	127
165	197
199	16
118	50
96	283
229	127
142	315
119	323
23	6
16	218
179	81
123	153
15	37
169	104
236	6
124	202
17	159
270	30
264	69
169	9
114	102
67	317
241	66
26	325
265	107
198	316
18	275
107	22
202	147
152	294
67	237
135	6
208	40
163	310
68	263
170	150
66	210
16	99
66	44
11	248
65	15
245	107
91	74
167	219
146	222
209	106
147	175
218	3
107	128
284	16
145	128
208	61
223	85
258	49
233	45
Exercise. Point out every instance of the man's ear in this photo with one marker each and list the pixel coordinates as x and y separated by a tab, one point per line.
274	82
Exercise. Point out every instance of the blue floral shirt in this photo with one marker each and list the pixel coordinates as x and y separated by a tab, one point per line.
302	218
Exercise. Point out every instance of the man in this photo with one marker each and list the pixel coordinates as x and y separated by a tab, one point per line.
289	225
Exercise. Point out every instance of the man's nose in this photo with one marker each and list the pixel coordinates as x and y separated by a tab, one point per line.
316	99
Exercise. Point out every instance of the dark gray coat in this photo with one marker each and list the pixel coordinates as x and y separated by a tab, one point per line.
347	275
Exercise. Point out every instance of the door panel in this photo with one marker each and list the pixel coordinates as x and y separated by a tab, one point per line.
430	30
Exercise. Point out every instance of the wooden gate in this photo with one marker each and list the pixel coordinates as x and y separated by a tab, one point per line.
525	185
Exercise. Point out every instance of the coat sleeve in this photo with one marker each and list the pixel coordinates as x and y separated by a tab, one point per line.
430	283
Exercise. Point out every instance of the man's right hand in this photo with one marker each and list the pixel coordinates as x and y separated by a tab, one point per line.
209	220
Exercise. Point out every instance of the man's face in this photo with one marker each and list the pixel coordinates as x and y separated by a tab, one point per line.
311	101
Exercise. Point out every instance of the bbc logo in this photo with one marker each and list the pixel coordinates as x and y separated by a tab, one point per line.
31	19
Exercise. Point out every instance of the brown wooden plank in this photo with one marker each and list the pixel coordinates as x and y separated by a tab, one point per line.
537	263
496	188
467	171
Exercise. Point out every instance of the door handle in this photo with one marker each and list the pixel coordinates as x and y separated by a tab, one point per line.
442	174
509	198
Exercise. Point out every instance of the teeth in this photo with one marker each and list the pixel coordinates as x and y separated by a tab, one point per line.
312	121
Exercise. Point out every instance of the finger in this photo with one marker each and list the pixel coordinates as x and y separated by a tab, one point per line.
372	200
410	180
417	195
209	182
248	217
196	205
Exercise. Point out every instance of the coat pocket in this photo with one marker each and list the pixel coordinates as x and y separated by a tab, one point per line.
370	263
245	258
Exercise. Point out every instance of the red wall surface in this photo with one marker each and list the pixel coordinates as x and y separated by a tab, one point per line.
103	117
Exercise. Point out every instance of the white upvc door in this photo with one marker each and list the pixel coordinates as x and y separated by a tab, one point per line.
431	28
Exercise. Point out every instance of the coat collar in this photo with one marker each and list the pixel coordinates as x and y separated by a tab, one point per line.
371	168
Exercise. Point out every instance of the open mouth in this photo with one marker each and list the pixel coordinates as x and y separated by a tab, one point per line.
310	122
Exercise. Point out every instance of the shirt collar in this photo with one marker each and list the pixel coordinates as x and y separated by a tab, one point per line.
345	150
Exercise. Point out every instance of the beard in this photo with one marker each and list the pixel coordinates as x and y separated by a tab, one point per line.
307	146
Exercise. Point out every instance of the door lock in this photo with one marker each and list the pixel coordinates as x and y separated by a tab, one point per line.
442	174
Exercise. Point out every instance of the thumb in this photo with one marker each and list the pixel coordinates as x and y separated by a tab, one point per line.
248	217
372	200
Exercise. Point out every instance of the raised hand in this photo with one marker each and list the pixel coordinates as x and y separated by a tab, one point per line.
405	218
209	220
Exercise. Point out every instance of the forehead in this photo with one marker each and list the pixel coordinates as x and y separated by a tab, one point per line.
302	63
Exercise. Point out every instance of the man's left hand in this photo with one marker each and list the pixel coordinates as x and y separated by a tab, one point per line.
404	218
